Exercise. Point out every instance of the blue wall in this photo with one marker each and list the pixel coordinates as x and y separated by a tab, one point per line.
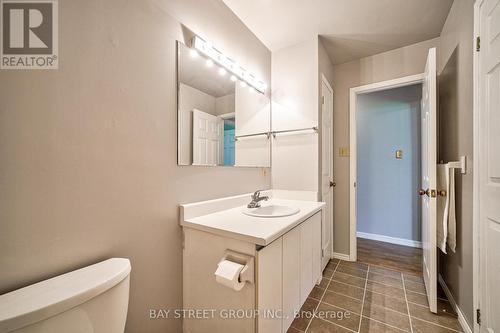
387	201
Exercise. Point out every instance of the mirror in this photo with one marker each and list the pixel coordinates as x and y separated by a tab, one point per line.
221	122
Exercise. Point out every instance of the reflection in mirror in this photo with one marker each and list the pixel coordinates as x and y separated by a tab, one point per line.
221	122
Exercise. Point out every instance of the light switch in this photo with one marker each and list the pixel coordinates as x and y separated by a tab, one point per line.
344	151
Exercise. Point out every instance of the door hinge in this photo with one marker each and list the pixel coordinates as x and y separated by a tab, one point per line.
322	99
478	316
478	44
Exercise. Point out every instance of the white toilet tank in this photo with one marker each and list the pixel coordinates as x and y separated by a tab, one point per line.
93	299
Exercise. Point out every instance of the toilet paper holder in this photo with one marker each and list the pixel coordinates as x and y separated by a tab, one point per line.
247	273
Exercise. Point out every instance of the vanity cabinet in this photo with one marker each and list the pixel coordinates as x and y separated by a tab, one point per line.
282	259
287	270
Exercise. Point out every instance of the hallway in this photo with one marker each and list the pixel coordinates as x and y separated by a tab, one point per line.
402	258
382	292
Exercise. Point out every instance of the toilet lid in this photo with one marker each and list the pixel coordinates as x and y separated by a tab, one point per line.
47	298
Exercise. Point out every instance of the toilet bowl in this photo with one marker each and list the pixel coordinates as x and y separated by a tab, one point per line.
93	299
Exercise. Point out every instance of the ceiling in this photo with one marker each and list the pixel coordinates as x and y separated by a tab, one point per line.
349	29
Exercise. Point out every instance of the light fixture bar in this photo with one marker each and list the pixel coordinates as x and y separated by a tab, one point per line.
230	65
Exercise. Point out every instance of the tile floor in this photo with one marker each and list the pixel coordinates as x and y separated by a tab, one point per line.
361	297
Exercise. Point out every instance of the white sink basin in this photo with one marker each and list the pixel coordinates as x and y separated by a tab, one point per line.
271	211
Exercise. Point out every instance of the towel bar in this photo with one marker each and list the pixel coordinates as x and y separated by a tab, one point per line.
462	164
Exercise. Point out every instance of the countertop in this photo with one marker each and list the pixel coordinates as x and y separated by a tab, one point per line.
233	223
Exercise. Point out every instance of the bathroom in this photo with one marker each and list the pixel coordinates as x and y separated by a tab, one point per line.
93	165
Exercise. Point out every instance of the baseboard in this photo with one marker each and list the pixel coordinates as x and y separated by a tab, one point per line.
454	305
341	256
388	239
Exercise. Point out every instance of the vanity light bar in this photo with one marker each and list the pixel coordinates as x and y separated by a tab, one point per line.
231	66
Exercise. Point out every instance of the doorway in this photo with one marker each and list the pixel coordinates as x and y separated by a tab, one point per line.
355	93
388	160
428	179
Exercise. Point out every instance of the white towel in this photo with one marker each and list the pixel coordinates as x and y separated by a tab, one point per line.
446	222
450	202
442	207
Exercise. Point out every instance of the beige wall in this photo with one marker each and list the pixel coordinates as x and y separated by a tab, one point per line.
324	66
393	64
455	140
88	152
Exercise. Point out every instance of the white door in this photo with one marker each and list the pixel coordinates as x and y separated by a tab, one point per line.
429	168
326	171
488	159
208	139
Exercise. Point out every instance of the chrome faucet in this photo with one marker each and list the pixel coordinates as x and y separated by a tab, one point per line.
256	199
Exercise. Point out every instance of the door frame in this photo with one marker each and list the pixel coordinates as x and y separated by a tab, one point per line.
476	230
353	94
325	81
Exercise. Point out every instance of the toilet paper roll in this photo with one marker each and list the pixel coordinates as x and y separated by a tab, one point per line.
228	274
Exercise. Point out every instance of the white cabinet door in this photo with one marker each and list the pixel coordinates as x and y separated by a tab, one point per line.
317	253
306	259
287	270
291	276
270	286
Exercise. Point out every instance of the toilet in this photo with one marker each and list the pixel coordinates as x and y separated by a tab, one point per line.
92	299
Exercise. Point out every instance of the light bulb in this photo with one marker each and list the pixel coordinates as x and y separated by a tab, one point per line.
209	63
233	78
222	71
243	84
